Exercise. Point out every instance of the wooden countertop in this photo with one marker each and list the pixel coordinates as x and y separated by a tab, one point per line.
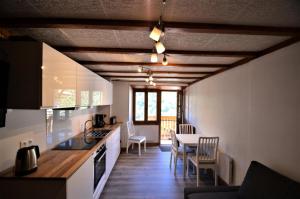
61	163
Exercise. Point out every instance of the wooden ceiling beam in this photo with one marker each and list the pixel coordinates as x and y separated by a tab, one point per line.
88	63
145	76
155	72
68	49
136	25
156	81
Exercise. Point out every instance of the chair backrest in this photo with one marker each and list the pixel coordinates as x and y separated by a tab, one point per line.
130	129
174	140
207	148
185	129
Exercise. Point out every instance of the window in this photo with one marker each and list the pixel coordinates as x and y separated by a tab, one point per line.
145	106
152	106
140	106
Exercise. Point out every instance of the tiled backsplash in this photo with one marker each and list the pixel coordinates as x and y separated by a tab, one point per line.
33	124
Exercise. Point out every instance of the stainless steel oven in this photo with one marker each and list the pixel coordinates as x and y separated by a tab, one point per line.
99	164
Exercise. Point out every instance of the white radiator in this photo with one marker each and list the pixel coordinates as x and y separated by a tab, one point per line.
225	168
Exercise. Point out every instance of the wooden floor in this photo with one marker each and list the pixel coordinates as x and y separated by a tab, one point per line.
147	177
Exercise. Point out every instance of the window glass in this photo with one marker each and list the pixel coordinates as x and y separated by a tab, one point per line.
139	106
152	106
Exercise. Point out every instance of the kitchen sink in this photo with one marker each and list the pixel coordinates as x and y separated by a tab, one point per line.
99	133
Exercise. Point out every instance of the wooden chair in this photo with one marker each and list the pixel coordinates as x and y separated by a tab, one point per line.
175	150
186	129
133	138
206	156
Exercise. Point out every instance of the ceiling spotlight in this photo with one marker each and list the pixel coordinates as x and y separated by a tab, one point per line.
165	61
154	84
160	48
151	83
147	80
151	78
140	69
154	57
155	33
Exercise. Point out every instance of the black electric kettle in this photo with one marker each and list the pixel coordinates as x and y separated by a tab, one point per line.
26	160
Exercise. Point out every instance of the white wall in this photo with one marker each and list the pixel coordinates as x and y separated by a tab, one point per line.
122	108
255	111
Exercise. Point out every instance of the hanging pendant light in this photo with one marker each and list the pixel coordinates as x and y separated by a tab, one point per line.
160	48
155	33
165	61
154	57
158	30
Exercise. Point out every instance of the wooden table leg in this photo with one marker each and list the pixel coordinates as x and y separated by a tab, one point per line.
184	161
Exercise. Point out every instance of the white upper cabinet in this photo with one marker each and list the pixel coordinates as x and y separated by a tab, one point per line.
58	79
108	94
42	77
85	86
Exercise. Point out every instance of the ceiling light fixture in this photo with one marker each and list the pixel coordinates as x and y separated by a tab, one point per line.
155	33
151	78
165	61
158	30
140	69
160	48
154	57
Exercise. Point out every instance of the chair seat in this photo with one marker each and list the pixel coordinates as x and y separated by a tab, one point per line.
202	159
137	138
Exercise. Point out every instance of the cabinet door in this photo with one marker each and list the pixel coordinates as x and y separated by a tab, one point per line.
80	184
109	155
58	79
85	86
107	93
112	150
98	91
117	144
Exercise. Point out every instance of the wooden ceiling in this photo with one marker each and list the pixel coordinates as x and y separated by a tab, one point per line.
202	38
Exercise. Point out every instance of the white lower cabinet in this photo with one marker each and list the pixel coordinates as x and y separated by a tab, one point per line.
112	150
81	184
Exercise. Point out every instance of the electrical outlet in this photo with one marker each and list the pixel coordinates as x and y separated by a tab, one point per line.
30	142
26	143
23	143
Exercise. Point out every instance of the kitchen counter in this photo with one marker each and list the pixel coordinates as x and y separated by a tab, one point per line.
61	163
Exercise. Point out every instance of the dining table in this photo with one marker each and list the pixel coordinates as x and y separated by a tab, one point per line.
187	140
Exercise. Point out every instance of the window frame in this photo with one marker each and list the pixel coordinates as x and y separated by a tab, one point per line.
158	98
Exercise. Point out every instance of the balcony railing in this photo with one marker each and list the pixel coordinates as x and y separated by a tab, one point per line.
167	123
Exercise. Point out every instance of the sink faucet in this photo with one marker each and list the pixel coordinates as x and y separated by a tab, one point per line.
85	129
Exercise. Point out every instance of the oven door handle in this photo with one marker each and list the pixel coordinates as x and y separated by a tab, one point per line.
99	159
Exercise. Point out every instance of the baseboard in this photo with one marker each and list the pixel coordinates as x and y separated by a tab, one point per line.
148	145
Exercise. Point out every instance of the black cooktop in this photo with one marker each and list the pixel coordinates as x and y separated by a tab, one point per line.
77	143
81	143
